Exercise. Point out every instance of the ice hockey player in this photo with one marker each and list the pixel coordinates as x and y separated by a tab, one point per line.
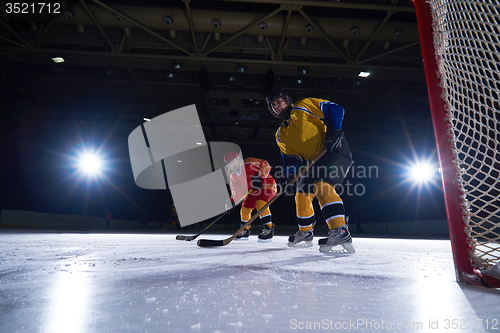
250	179
308	126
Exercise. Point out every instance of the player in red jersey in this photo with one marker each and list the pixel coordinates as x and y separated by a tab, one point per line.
252	181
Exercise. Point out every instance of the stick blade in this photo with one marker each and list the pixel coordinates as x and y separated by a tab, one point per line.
186	238
210	242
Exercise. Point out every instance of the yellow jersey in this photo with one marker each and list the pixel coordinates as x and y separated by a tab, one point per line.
304	134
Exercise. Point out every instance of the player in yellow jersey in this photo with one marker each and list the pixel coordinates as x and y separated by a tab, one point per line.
310	125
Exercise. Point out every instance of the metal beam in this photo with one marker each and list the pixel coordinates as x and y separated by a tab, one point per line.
235	94
372	37
103	33
25	43
191	26
137	24
322	33
13	42
242	31
273	56
206	41
46	29
283	34
280	54
329	4
389	52
326	65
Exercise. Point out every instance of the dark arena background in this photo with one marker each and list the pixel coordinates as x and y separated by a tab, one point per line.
118	71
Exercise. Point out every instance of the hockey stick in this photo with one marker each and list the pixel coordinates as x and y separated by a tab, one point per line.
190	238
224	242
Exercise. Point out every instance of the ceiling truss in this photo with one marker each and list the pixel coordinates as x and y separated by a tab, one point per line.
126	60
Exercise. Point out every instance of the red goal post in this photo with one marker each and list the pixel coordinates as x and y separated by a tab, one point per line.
460	43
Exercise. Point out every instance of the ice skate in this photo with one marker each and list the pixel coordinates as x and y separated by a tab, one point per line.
244	234
301	239
267	234
337	237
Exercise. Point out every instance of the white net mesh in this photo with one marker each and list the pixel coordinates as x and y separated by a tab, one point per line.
466	39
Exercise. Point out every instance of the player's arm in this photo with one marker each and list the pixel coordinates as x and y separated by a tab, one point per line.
333	114
265	169
333	118
291	165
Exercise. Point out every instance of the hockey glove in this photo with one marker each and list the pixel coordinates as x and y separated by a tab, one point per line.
333	140
256	183
285	187
292	165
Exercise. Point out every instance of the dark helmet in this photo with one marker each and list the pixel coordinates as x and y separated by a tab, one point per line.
276	93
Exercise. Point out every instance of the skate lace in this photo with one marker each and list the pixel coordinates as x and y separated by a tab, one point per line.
301	234
265	230
242	233
336	231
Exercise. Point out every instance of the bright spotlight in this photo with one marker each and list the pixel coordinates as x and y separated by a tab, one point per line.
422	172
90	164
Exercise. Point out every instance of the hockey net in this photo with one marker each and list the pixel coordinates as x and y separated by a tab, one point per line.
461	49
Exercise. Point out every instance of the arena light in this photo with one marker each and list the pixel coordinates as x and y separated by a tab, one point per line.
90	164
422	172
58	60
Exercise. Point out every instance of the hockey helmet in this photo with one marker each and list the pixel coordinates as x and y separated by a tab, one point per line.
230	156
273	95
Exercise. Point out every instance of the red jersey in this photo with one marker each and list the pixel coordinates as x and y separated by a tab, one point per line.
241	182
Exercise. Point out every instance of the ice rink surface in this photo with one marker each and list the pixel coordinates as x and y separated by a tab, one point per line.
94	282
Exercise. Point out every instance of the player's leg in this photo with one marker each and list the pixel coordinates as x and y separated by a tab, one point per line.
245	214
333	211
267	224
305	220
329	172
265	195
331	205
247	206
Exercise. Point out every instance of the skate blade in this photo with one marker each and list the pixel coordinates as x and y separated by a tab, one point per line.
342	249
265	240
241	239
301	244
